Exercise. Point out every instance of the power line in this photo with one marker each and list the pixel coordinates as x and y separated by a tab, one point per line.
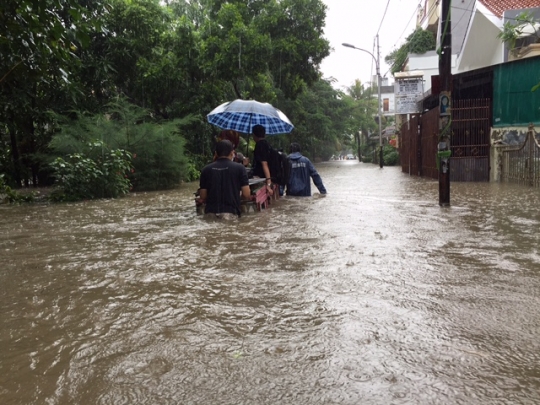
429	13
384	15
406	26
371	69
468	23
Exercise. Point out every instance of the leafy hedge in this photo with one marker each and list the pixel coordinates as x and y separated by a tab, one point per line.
125	141
103	174
390	155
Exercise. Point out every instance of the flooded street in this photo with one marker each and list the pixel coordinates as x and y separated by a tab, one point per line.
371	295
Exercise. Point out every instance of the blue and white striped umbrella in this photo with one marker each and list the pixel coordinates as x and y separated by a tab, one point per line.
242	115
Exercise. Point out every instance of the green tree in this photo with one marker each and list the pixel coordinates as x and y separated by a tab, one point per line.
513	31
322	118
38	45
362	112
257	47
177	59
296	29
135	48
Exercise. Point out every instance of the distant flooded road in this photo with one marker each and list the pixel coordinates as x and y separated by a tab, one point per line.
371	295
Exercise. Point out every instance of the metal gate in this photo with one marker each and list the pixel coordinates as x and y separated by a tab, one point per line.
418	144
521	164
429	138
408	146
471	123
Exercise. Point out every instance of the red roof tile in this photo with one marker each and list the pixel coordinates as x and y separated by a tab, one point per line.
497	7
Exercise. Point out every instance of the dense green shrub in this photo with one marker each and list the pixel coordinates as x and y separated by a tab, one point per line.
367	153
157	148
390	155
8	195
192	173
367	158
104	174
159	159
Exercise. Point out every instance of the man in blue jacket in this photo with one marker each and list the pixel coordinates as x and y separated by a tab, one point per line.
301	171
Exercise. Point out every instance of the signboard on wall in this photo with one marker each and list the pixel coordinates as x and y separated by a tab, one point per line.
407	93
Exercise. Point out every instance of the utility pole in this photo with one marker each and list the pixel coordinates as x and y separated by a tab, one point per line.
379	84
445	104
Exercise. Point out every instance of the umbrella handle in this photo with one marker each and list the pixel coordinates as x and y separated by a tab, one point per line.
247	143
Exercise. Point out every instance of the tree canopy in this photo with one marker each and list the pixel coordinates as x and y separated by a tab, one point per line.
65	62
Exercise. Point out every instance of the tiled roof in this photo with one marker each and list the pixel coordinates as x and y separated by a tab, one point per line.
498	7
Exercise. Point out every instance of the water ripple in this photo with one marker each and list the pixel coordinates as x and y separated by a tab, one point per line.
372	294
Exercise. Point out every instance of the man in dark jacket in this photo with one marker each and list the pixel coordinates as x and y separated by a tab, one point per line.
301	171
261	156
222	182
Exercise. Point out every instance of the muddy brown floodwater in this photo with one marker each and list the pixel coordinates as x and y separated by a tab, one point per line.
371	295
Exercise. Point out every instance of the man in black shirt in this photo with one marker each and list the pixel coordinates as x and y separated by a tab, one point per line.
221	183
261	156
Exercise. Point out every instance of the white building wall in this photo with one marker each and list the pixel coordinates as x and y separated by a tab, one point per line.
391	103
482	47
429	64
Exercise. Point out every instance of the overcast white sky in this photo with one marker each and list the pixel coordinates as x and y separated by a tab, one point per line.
356	22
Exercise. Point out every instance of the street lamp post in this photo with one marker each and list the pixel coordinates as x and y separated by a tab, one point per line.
378	68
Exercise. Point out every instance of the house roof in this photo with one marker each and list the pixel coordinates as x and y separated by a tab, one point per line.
498	7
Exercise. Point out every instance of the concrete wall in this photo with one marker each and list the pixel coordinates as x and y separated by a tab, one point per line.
508	136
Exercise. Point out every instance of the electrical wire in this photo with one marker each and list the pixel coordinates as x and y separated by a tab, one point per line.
429	13
406	26
384	15
371	70
468	23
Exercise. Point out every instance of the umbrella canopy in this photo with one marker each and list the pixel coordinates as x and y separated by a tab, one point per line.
242	115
